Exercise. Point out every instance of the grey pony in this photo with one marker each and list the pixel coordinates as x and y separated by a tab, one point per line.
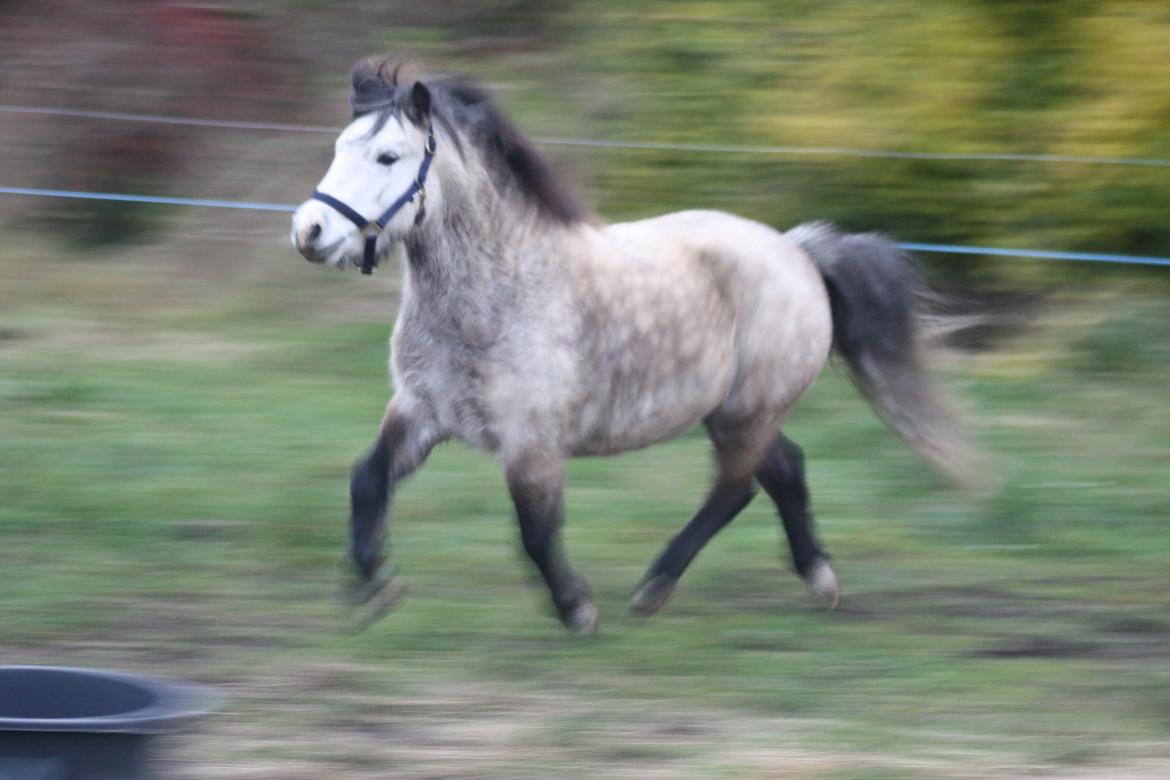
531	329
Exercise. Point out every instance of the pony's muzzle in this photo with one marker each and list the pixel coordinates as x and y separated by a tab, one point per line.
310	234
306	241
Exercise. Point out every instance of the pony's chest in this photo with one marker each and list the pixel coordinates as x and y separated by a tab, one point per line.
445	376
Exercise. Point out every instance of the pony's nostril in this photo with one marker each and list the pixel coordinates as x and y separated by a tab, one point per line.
315	232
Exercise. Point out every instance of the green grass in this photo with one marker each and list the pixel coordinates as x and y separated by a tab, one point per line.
181	511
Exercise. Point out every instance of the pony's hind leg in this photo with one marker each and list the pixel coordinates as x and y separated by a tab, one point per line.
537	485
736	451
781	474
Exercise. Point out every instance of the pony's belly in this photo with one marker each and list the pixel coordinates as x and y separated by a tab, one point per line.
631	416
612	441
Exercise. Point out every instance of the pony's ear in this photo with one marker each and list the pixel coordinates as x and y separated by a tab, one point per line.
419	108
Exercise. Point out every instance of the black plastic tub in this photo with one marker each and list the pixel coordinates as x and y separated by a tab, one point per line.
83	724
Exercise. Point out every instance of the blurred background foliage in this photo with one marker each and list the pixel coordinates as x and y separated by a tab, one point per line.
1082	78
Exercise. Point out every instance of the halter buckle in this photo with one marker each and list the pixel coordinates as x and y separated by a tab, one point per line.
371	230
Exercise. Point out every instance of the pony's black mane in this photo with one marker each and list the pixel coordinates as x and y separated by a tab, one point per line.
465	110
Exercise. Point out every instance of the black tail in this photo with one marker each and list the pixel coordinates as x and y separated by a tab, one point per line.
874	292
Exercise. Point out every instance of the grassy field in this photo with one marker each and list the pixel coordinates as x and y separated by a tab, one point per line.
175	440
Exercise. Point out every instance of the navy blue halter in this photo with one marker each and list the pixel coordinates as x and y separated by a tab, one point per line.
371	229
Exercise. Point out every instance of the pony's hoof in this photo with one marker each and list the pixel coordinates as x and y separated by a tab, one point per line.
581	619
651	597
821	582
375	598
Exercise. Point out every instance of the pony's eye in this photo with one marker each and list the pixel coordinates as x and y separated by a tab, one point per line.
387	158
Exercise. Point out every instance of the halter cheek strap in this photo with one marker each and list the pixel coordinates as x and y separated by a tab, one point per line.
371	230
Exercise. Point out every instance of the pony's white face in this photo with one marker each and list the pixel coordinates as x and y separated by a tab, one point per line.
372	167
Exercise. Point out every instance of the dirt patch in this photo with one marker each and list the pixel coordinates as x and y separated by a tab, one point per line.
1051	626
952	602
1039	647
1105	646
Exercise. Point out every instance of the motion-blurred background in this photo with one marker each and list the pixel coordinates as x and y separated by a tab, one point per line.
181	395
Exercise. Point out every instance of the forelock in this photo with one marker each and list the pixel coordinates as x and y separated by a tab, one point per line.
379	85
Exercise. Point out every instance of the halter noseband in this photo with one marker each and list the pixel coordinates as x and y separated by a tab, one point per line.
371	229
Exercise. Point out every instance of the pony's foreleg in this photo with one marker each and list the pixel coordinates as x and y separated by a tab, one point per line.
729	496
403	443
537	485
781	474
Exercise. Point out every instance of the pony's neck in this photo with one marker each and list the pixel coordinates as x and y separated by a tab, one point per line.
479	239
473	259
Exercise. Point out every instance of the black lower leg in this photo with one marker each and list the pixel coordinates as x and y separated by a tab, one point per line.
781	474
540	512
725	501
369	490
402	445
543	546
